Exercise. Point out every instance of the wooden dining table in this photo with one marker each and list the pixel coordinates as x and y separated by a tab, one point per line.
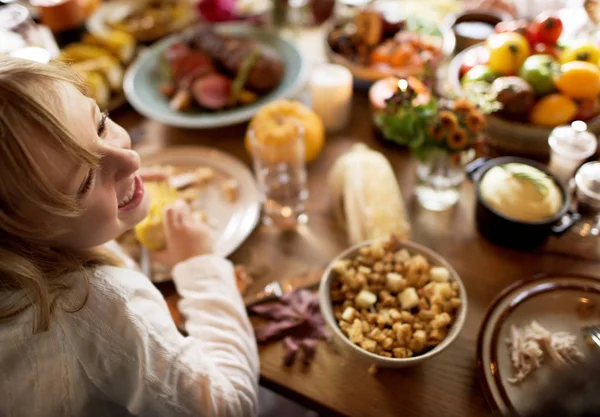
337	383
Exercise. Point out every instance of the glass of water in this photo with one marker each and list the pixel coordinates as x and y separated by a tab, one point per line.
280	168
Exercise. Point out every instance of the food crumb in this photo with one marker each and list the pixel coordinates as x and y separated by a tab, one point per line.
585	308
373	369
230	190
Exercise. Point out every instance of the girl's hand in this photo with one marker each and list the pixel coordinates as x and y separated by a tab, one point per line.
186	235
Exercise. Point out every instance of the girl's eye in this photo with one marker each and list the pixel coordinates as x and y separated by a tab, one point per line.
88	184
102	124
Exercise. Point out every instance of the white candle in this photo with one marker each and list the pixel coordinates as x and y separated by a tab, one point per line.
331	95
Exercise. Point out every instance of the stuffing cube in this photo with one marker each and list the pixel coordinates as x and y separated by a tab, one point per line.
395	282
418	343
355	332
402	255
408	298
365	299
384	319
455	302
364	270
440	274
349	314
387	343
403	332
341	266
444	290
437	335
441	320
406	317
368	344
395	315
402	353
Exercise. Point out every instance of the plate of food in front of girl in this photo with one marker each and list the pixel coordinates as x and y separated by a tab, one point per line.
214	75
219	189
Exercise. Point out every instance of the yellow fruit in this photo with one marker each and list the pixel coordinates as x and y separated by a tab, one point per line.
274	124
553	110
508	51
581	51
150	231
578	79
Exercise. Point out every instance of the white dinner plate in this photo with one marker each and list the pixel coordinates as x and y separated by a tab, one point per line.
232	222
553	302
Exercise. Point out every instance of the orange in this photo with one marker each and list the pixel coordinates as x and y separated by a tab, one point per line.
270	127
578	79
553	110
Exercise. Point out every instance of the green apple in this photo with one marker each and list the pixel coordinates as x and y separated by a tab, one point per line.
539	71
479	73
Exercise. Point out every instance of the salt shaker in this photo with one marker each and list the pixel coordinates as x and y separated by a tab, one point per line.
570	146
583	239
587	181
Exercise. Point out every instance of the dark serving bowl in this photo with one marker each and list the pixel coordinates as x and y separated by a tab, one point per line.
510	232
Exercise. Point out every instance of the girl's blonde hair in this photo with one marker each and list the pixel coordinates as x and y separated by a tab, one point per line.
31	272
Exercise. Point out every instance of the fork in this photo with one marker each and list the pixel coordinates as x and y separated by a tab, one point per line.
592	333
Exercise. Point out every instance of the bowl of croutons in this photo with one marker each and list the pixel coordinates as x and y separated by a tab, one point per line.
394	303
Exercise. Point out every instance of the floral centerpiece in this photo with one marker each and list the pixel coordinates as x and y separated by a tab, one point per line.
442	134
429	125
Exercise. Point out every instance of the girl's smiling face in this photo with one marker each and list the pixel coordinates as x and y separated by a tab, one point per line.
112	194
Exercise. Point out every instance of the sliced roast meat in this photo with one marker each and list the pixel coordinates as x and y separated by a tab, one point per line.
230	53
186	68
176	50
212	91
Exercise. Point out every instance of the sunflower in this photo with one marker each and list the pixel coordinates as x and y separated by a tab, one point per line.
475	121
436	131
458	139
463	105
448	120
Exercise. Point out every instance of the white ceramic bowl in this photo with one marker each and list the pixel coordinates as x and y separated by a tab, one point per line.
381	361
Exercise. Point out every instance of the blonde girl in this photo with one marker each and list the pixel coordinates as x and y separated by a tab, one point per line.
81	335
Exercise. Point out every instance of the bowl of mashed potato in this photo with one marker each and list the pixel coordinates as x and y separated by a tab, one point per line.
519	202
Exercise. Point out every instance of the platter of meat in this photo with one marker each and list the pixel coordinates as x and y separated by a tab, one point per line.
533	330
219	189
214	75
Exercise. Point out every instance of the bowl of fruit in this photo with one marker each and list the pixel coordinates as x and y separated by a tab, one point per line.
374	45
537	79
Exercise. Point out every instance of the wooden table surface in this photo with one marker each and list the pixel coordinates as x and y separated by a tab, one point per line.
337	383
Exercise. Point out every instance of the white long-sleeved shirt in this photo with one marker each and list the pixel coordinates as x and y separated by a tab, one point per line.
121	354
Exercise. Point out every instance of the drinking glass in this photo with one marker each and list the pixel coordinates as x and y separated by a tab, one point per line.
280	168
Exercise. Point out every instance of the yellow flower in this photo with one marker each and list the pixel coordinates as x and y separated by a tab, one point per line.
475	121
436	131
447	119
457	139
463	105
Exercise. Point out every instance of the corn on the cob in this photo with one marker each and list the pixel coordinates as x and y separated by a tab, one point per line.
150	231
366	196
120	44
